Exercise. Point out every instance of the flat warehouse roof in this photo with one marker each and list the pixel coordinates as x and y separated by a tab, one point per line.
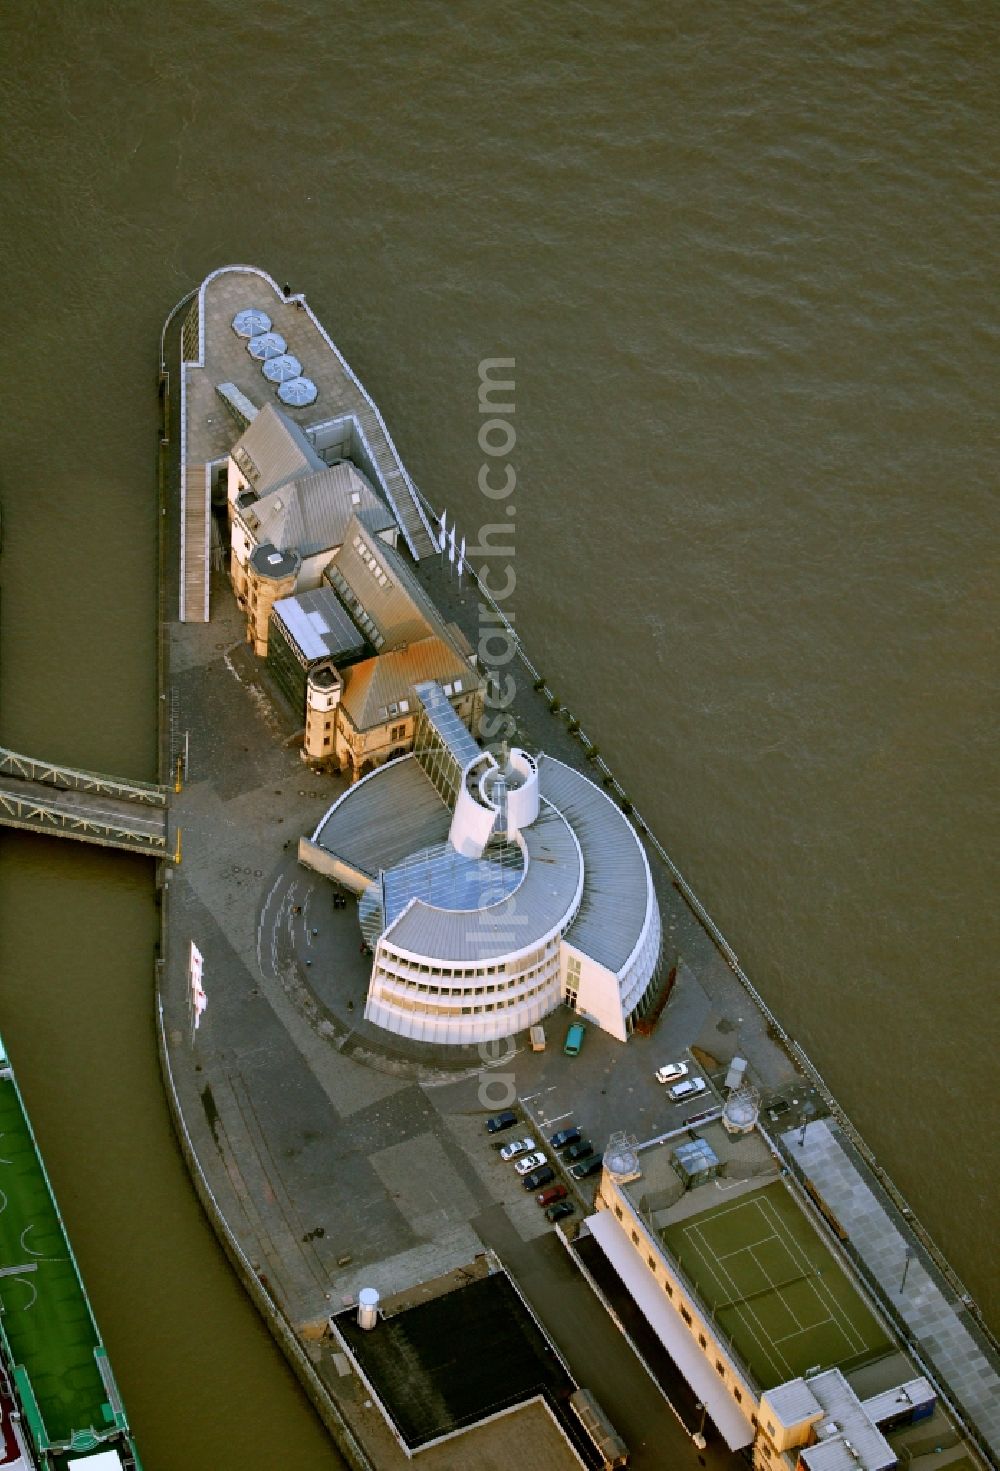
446	1364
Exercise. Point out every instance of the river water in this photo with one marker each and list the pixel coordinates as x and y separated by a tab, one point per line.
742	256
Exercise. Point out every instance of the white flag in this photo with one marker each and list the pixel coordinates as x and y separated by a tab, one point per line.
441	528
461	558
196	967
451	547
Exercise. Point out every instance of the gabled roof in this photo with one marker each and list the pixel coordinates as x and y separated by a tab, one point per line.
389	593
273	450
373	685
312	513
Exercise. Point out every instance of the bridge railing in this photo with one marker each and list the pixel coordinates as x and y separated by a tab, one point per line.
28	768
36	816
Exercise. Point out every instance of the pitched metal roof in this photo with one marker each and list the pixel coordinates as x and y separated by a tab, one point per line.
617	889
391	676
387	589
312	513
384	818
274	450
552	877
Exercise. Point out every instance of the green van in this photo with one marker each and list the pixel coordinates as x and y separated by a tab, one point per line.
574	1039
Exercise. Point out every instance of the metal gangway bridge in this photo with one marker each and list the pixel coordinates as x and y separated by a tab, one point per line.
43	797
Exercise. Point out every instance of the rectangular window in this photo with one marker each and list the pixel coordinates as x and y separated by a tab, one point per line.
618	1211
737	1396
635	1238
668	1288
702	1340
720	1368
651	1263
686	1316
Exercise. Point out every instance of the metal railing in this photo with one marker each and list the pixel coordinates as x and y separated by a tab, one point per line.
28	768
34	816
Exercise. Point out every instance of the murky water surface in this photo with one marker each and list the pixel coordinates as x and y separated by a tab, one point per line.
742	255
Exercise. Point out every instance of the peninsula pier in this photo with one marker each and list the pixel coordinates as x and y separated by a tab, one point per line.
368	1014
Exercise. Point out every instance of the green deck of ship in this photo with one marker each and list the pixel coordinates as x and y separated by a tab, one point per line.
45	1315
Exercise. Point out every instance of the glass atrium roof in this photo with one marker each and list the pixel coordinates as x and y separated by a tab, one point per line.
447	724
444	878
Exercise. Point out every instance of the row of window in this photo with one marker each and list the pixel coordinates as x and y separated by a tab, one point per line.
513	968
654	1267
546	972
404	1003
354	606
374	566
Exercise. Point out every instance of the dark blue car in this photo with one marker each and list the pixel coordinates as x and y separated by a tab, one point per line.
564	1137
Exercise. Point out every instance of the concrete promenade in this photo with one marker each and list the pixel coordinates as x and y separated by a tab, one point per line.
935	1318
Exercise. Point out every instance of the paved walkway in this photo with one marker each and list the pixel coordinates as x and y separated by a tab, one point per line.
933	1317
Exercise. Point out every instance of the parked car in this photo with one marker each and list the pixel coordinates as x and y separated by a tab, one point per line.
564	1137
505	1120
559	1211
538	1178
580	1150
515	1147
587	1167
690	1088
671	1073
529	1162
574	1039
550	1196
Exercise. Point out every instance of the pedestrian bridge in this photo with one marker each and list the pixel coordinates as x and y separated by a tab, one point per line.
40	796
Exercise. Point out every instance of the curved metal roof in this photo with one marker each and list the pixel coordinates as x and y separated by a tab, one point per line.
617	889
552	877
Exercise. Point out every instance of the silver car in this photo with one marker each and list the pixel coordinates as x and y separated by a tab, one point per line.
529	1162
516	1147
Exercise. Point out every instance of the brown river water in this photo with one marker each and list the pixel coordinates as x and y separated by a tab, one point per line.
742	257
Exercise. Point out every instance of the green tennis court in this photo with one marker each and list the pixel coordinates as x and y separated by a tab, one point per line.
774	1288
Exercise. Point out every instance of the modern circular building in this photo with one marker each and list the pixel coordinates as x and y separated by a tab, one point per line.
490	893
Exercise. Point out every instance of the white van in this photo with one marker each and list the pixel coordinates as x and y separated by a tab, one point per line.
690	1088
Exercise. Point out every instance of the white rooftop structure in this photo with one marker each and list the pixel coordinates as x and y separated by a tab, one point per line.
847	1439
